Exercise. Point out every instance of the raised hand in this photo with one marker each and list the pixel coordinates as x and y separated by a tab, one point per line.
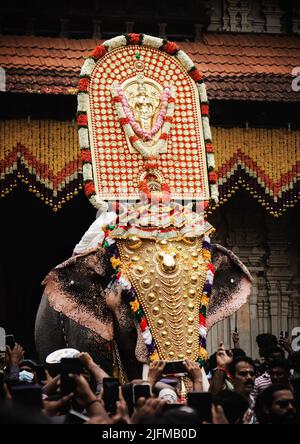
155	371
223	359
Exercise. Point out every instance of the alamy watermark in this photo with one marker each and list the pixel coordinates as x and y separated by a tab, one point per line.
2	79
296	339
296	80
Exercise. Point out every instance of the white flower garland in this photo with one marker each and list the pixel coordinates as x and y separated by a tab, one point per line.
88	67
153	42
185	60
83	102
116	42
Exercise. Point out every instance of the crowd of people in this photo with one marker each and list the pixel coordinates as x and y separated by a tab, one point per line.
233	389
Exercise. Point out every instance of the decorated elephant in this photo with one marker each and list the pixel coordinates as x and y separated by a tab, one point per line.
79	309
144	282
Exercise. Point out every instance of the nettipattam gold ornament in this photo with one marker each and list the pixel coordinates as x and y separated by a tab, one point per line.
168	278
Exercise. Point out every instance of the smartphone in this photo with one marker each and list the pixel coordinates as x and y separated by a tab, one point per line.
141	391
286	334
110	394
127	392
69	365
29	395
281	334
10	341
174	367
2	340
201	402
41	373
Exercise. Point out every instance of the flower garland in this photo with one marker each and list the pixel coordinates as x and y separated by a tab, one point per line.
129	293
206	254
131	128
173	50
146	135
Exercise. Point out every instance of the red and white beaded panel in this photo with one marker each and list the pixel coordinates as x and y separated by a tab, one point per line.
117	171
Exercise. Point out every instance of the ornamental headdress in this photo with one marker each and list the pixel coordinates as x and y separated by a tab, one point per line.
142	107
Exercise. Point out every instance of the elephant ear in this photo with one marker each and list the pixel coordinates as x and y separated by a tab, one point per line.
231	286
75	288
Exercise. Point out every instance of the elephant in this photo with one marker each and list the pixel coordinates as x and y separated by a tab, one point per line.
76	310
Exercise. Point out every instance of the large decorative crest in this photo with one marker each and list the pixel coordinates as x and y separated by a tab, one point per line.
142	105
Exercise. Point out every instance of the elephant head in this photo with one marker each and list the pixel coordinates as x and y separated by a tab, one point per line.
78	311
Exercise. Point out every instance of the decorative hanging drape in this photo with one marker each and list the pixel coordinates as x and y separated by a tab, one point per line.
45	155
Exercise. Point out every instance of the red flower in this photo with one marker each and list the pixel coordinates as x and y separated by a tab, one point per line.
164	136
169	119
209	148
171	99
86	156
204	108
89	188
143	324
202	320
195	75
133	139
211	267
171	48
213	177
82	120
124	121
83	84
134	38
98	52
116	99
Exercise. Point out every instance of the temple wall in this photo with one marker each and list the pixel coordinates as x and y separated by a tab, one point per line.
270	247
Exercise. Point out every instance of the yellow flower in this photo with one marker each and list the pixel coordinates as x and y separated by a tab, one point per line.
206	255
115	262
204	300
134	305
154	357
203	353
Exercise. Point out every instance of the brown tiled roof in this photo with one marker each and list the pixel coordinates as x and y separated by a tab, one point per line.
235	66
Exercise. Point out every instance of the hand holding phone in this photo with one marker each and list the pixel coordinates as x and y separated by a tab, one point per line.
201	402
69	365
110	394
10	341
40	373
141	391
174	367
